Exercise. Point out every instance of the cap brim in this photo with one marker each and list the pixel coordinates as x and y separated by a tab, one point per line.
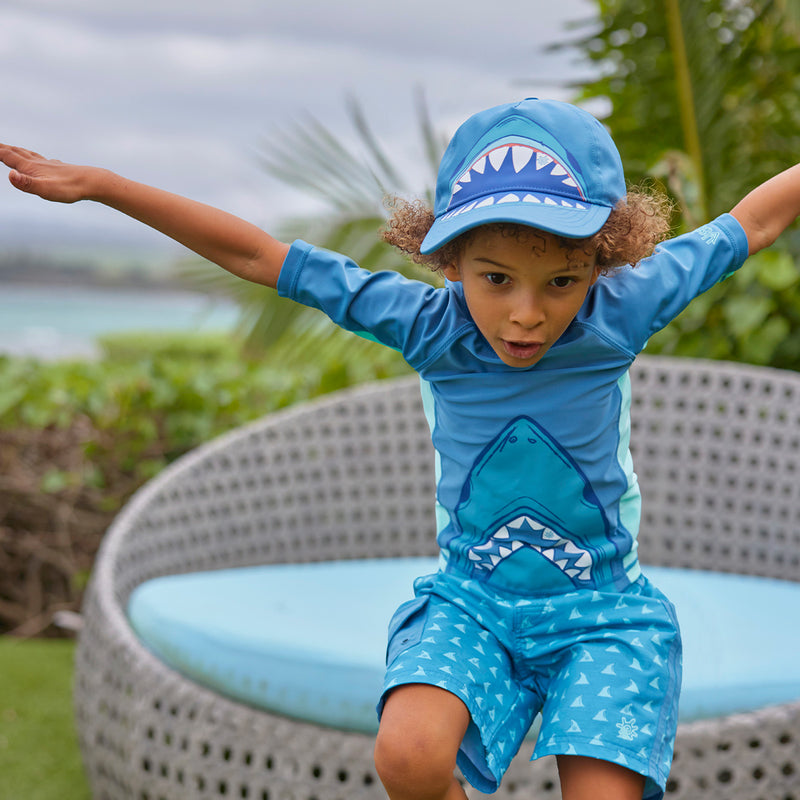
570	222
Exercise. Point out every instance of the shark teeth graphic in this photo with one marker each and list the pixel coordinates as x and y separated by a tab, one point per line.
527	175
525	531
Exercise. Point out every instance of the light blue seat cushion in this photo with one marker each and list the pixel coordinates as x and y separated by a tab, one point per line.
308	640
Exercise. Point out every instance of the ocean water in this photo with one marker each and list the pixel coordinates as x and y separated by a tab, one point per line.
59	322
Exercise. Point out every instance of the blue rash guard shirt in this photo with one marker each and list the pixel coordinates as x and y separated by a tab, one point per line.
536	491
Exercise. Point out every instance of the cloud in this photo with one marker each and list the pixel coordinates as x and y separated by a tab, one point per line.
182	93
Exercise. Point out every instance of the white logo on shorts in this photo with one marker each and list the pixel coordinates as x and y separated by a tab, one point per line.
628	729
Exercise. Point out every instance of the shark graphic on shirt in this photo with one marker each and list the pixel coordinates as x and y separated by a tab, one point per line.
528	517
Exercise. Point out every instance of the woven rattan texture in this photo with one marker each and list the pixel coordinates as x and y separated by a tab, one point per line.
716	451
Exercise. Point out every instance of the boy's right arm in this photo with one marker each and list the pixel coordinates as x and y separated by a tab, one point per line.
236	245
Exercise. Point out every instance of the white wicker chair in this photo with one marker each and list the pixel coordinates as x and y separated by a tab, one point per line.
717	450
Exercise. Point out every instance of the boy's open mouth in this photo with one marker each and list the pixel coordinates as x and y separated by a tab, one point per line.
521	349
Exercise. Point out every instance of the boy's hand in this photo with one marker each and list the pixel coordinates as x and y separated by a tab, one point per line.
234	244
49	179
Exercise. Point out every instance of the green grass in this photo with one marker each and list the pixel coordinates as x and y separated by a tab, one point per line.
39	758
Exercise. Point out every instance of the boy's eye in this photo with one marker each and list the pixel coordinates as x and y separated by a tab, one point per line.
562	281
496	278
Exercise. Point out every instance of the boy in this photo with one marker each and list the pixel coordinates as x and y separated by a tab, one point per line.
539	603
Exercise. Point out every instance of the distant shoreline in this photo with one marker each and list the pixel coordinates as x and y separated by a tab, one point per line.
56	320
55	280
112	270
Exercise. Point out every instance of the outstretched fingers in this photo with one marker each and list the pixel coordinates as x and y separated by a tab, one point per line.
18	157
47	178
21	162
21	151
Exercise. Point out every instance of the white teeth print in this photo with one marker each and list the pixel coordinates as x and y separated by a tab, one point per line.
526	520
521	156
524	160
463	210
497	157
570	558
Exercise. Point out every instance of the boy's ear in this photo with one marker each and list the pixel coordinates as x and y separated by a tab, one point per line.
451	272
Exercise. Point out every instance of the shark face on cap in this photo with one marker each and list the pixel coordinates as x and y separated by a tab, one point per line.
542	163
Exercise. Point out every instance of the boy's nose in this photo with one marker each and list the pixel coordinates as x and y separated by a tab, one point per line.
527	312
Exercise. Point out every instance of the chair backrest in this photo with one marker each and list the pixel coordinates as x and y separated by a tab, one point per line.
348	476
351	476
716	447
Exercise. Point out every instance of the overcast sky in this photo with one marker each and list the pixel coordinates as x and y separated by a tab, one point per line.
182	93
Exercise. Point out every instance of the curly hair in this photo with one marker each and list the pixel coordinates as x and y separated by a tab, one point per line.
635	226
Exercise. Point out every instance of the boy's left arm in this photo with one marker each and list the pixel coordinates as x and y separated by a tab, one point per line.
769	209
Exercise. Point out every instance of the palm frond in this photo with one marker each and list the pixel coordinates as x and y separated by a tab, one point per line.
353	183
311	159
739	79
379	164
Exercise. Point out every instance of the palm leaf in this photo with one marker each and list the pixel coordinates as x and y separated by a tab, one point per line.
704	97
715	80
353	184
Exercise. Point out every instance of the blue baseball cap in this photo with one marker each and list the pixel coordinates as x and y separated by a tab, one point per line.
541	163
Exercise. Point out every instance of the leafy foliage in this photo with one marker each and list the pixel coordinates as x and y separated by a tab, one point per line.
177	391
78	438
705	96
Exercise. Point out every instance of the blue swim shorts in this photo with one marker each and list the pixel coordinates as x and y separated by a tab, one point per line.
603	668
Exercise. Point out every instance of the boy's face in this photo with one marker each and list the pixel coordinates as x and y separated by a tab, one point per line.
522	290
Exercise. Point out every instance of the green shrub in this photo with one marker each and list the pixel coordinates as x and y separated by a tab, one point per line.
77	438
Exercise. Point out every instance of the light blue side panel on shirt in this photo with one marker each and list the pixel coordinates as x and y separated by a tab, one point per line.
630	504
429	407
